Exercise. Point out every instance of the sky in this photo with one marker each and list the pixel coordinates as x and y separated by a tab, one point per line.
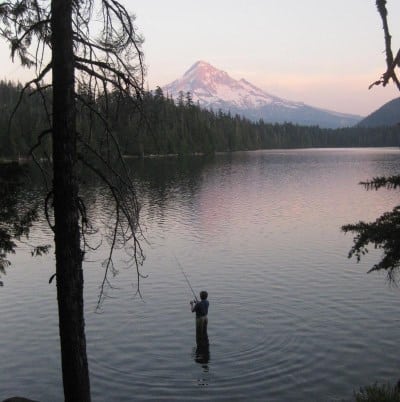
323	53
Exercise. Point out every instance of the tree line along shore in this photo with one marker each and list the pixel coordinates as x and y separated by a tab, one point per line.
158	125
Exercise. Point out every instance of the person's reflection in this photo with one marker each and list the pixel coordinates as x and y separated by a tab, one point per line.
202	355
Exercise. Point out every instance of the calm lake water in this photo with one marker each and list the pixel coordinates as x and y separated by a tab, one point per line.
291	318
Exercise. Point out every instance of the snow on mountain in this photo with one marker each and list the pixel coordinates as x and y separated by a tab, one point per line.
211	86
215	89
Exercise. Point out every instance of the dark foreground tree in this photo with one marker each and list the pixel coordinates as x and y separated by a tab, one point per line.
55	36
384	232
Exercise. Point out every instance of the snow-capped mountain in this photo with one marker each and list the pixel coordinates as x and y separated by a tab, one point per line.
215	89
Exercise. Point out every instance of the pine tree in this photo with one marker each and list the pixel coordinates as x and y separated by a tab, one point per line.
384	232
109	64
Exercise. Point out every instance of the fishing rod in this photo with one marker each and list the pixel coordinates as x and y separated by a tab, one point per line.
187	279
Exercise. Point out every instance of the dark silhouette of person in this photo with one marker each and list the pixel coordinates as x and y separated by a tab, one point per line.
201	310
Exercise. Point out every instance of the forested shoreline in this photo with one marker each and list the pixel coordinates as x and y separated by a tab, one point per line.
159	126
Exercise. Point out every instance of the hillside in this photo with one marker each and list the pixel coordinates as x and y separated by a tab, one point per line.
386	116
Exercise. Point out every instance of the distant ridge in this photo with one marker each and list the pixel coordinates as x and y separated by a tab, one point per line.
215	89
386	116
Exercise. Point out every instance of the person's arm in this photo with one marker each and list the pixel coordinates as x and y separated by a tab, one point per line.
193	306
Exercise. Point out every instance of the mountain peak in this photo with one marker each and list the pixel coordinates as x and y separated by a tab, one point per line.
215	89
200	64
202	74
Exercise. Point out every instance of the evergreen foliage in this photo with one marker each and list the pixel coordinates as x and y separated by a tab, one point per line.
384	232
20	126
171	127
378	393
93	52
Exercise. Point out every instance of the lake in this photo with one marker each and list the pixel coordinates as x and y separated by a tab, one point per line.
291	317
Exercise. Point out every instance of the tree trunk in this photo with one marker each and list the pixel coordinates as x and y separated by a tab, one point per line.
66	210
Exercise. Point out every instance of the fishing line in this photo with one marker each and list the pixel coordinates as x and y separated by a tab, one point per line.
186	278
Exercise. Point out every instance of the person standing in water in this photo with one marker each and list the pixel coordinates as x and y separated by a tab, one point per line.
201	310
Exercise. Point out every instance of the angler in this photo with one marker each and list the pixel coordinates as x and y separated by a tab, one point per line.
201	310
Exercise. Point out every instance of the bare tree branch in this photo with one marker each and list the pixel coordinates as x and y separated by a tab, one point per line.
391	62
111	63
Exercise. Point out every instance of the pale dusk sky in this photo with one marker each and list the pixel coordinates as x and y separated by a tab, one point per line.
322	52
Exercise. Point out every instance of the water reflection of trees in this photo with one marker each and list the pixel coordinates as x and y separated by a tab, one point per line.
18	211
161	182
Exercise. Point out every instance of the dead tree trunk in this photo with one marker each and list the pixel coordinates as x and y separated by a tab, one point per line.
66	208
